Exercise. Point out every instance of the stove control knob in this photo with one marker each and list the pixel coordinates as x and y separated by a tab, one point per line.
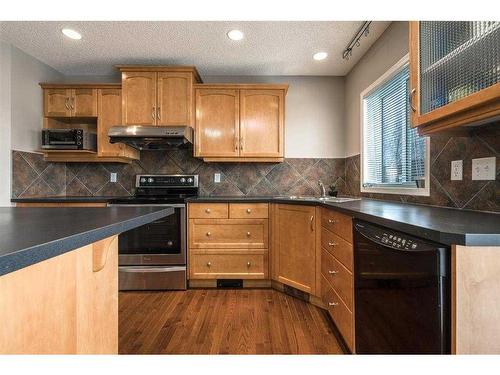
143	179
190	180
150	180
183	180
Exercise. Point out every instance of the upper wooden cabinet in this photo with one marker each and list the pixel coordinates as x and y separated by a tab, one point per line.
139	98
295	247
158	95
454	76
261	123
92	106
70	102
110	114
217	122
240	122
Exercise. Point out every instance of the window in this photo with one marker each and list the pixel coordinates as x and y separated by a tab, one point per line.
394	156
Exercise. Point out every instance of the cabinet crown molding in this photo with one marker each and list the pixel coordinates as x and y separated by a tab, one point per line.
161	68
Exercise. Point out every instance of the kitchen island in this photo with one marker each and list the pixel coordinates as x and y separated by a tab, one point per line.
59	277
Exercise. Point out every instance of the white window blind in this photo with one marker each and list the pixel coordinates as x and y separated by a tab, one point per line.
394	153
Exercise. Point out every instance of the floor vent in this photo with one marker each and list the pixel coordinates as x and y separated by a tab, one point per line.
296	293
236	283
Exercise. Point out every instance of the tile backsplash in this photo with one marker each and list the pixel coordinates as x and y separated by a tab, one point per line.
32	176
468	194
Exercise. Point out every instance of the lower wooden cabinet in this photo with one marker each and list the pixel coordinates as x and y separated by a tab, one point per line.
295	254
337	266
64	305
228	241
229	265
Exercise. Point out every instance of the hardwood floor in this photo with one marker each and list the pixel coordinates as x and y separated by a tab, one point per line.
211	321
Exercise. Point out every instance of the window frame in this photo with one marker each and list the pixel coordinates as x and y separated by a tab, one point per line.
390	189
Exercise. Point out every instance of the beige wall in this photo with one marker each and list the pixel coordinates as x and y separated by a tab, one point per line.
314	113
26	99
384	53
5	119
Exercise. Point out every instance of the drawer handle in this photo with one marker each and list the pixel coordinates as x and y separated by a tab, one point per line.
248	264
333	304
207	210
209	264
332	221
248	234
209	234
333	272
249	210
332	243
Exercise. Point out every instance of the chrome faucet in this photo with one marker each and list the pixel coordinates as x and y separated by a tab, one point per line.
322	187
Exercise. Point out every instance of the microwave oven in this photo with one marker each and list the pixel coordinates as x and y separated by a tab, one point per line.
68	139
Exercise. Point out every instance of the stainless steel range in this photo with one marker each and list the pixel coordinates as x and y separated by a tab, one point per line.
153	256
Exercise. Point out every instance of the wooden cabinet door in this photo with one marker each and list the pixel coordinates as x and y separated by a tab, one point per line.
261	127
175	95
217	122
110	113
139	98
83	102
294	246
57	102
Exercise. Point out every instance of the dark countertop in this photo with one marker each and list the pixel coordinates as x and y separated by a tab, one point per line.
443	225
31	235
63	199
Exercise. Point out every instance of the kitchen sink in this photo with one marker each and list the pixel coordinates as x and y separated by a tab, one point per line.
313	198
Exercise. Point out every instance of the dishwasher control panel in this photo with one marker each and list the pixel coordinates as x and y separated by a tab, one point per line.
394	239
399	242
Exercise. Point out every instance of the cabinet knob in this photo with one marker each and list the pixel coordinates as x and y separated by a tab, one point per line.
333	272
332	304
248	264
248	234
209	264
207	210
332	221
332	243
209	234
249	210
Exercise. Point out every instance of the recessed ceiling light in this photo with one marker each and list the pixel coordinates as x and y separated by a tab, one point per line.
70	33
235	35
320	56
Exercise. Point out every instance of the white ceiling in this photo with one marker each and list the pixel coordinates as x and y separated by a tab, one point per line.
269	48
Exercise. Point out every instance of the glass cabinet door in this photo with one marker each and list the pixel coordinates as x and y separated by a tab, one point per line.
456	60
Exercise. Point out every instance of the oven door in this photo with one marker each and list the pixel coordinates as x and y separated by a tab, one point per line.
161	242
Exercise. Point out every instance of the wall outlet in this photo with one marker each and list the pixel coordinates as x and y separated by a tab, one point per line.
484	168
216	178
113	176
457	170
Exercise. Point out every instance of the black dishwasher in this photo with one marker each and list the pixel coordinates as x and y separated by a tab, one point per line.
402	293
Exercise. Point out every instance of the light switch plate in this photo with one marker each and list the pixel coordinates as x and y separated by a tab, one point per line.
457	170
113	176
484	168
216	178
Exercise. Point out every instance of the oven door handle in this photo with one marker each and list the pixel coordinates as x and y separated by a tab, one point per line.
136	269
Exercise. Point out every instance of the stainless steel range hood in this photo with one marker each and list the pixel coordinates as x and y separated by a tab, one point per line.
152	137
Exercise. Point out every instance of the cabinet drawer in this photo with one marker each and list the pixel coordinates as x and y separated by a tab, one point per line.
208	211
339	277
248	210
340	314
338	223
228	233
228	266
338	247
